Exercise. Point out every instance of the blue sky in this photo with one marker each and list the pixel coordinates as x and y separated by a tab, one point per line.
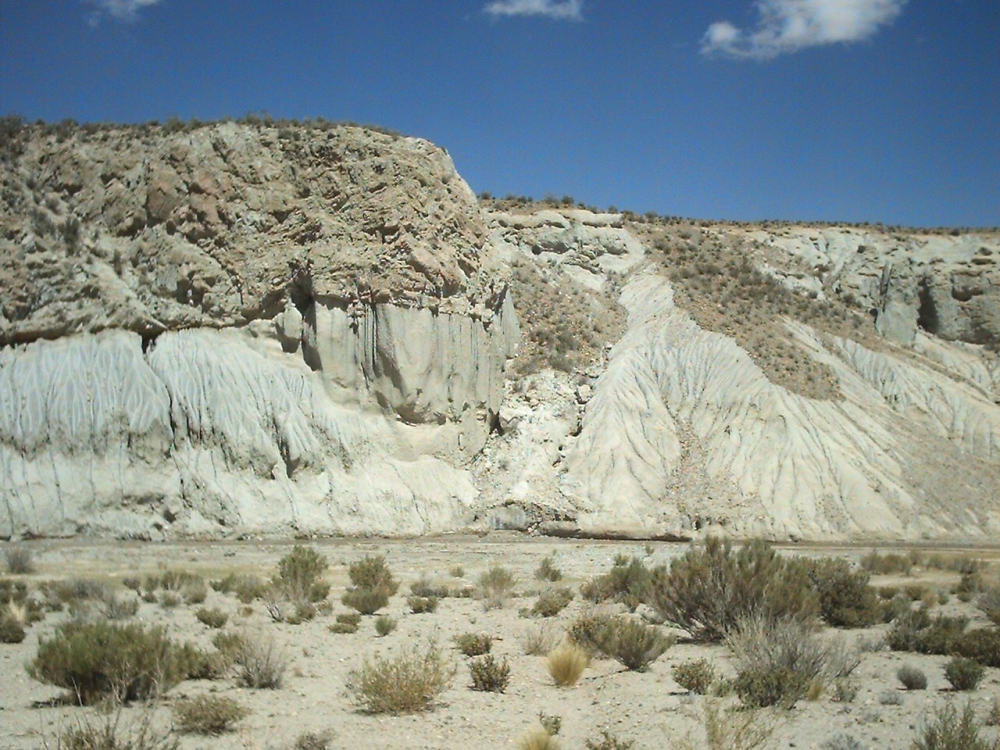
849	110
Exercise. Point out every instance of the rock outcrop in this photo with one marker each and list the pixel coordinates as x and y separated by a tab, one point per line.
243	329
234	329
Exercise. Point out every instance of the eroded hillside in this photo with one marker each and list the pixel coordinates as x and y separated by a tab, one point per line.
287	328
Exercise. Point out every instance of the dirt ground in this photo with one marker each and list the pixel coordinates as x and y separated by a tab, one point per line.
648	708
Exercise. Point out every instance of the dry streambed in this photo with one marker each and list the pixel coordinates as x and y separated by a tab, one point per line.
608	703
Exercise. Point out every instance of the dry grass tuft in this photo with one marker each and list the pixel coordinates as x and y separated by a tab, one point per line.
567	663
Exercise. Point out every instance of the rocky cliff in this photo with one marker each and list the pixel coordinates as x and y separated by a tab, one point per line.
272	329
242	328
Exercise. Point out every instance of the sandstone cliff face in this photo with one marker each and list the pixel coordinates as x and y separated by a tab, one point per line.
243	329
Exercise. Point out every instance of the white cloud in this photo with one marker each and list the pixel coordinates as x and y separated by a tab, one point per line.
561	9
122	10
791	25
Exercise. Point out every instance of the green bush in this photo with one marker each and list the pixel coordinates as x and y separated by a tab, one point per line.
384	625
299	574
260	664
207	715
403	684
963	674
587	631
989	603
911	678
496	585
552	601
981	644
102	660
11	631
489	675
422	604
474	644
760	688
213	618
371	572
629	582
120	608
778	660
633	644
696	676
707	591
609	741
950	731
19	560
845	598
547	570
246	587
366	601
112	734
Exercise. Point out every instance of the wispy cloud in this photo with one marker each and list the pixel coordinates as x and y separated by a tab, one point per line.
792	25
571	10
121	10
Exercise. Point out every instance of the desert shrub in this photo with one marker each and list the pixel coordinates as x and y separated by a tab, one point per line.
422	604
629	582
384	625
299	575
194	592
917	631
981	644
844	690
587	630
132	583
207	715
365	601
971	580
346	622
112	734
178	580
427	590
566	664
915	591
695	676
19	560
246	587
538	641
949	730
890	698
608	741
845	598
633	644
11	631
552	601
456	571
538	739
489	675
896	607
230	645
963	674
988	603
911	678
707	591
80	589
403	684
496	585
314	740
371	572
103	660
547	570
731	729
119	608
842	742
170	599
777	661
892	562
213	618
260	663
474	644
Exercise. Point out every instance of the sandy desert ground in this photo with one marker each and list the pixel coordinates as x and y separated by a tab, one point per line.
648	708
